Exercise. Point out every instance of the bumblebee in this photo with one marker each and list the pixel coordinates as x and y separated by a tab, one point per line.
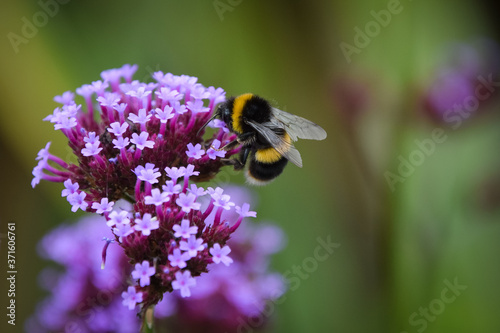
266	135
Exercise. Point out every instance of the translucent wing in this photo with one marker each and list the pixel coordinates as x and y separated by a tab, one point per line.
278	142
297	127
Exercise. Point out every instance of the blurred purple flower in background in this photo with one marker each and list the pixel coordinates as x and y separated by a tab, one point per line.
85	298
465	82
353	95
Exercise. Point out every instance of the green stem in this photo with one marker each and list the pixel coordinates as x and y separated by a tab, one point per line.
148	321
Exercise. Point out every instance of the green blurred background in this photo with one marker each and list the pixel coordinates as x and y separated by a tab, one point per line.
397	247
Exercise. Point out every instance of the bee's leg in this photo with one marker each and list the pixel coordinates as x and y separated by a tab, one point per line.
238	164
234	162
241	139
246	138
244	155
229	145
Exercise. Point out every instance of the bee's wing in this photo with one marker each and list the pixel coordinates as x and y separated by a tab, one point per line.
297	127
282	146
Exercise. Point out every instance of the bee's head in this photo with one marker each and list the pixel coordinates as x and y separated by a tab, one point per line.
225	111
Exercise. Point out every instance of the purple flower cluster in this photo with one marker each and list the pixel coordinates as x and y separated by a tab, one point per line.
465	83
234	298
140	142
84	298
127	124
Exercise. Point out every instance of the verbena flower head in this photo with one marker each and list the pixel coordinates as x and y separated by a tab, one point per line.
464	83
85	298
126	124
141	142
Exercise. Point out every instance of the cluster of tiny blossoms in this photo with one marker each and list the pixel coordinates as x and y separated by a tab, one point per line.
83	298
142	142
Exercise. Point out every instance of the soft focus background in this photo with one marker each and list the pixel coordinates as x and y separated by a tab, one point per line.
407	182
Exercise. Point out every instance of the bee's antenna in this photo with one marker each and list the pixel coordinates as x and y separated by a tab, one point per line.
215	115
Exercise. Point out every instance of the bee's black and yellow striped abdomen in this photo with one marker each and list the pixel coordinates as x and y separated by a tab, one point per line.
267	163
269	155
259	173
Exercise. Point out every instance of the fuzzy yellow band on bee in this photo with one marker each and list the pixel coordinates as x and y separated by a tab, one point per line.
271	155
267	156
239	104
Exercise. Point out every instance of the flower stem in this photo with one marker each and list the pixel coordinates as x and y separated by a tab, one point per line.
148	321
